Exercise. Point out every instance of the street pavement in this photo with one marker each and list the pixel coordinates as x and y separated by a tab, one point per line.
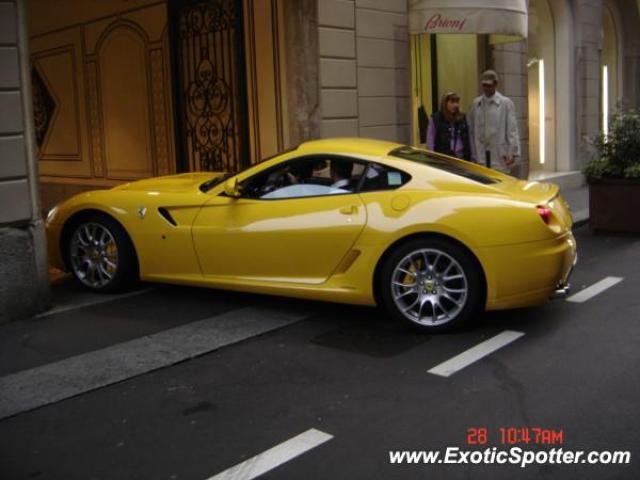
187	383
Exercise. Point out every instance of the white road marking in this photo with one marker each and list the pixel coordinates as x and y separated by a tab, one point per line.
95	299
595	289
474	354
274	457
39	386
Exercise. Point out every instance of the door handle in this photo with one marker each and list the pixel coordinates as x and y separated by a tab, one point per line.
350	210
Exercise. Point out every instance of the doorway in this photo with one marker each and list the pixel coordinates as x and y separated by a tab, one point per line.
209	81
443	63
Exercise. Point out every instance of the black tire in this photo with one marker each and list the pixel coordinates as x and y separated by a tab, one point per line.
432	288
126	273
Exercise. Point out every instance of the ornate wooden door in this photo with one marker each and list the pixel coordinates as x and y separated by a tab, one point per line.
210	85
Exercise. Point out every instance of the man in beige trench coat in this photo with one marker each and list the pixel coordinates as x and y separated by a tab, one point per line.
493	127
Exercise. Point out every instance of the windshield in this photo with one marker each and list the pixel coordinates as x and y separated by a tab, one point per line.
456	167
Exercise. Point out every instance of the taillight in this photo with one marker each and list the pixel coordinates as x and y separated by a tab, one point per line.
545	214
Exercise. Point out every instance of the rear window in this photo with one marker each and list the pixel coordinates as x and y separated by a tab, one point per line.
451	166
381	177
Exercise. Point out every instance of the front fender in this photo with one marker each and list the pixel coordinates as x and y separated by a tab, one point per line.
162	248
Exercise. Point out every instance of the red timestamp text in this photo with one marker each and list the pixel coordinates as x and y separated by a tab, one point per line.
516	435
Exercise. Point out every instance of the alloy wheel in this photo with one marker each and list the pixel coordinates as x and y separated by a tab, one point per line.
94	255
429	287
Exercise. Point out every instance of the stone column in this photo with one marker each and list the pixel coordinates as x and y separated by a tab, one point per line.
630	14
23	260
338	80
588	14
303	102
364	69
382	48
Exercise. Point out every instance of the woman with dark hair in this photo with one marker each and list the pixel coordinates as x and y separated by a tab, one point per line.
448	131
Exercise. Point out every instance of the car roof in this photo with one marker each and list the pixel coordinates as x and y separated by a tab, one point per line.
362	146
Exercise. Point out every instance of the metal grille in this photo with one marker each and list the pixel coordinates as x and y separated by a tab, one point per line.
207	49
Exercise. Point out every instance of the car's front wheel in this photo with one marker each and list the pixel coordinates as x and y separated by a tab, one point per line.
431	284
100	255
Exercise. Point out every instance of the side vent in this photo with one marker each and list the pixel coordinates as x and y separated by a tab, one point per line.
347	261
167	216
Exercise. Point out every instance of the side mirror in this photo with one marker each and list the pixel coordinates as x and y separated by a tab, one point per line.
231	188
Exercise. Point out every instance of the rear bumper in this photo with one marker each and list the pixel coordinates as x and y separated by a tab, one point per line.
528	274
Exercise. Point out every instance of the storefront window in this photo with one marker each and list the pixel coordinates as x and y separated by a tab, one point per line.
444	63
541	89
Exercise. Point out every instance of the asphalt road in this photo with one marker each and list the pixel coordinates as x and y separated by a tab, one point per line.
344	371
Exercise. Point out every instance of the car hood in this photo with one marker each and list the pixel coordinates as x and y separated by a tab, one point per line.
182	183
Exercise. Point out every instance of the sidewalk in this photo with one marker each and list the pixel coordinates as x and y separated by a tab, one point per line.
578	200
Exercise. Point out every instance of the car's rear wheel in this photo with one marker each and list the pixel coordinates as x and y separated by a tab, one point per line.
100	254
431	284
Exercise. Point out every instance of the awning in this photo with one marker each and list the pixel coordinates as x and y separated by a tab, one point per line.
493	17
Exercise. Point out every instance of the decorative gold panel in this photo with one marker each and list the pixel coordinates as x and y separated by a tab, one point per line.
58	59
58	70
262	41
161	133
106	67
44	106
124	96
95	123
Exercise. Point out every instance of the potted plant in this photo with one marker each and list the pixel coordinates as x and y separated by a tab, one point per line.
614	176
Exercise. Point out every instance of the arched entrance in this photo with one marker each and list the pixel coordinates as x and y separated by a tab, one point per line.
551	39
452	43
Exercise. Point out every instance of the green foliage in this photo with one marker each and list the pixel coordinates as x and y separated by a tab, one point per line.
618	153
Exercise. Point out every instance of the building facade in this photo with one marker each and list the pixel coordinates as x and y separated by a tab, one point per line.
94	94
23	260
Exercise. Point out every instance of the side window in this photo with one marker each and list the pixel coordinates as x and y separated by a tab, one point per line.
381	177
305	177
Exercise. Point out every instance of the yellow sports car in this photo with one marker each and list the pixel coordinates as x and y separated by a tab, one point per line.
430	238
